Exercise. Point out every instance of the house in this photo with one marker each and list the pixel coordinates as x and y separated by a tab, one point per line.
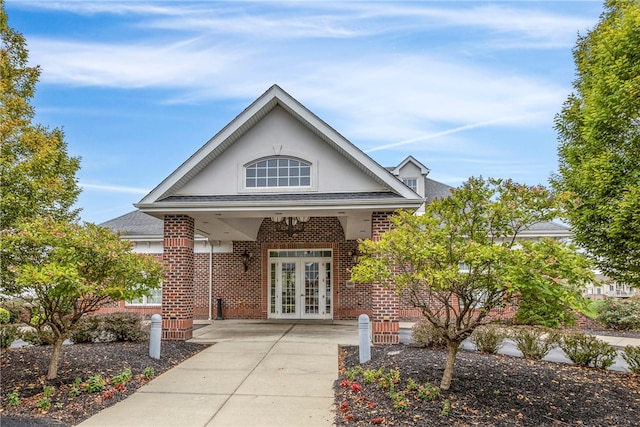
605	288
263	222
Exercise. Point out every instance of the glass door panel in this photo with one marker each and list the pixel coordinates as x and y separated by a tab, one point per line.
311	288
288	295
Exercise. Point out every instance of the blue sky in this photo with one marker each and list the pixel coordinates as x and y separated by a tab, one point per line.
468	88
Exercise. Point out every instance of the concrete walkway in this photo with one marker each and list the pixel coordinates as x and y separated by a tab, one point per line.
258	374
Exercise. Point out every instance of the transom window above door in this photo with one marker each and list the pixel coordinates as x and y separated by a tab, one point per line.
278	172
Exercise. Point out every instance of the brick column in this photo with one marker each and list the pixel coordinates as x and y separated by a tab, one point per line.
385	321
177	288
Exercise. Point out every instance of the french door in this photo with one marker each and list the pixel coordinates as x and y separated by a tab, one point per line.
300	285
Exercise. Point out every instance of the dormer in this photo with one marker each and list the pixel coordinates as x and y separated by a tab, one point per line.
412	173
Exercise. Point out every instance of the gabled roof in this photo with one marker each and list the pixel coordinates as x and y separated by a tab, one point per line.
546	229
136	223
424	171
435	190
272	98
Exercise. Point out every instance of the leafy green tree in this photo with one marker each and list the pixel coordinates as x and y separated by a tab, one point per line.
37	175
73	270
599	143
462	261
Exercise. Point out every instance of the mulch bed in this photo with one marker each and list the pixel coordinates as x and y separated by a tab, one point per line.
487	390
26	368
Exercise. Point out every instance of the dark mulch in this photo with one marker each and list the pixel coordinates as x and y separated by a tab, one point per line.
25	369
487	390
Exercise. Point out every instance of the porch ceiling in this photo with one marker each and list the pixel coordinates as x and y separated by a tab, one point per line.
245	225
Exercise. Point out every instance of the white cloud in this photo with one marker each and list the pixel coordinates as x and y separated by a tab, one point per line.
115	188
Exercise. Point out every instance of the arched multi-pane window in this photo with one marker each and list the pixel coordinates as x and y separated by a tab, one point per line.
278	172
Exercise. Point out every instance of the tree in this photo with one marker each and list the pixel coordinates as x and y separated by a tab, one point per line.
37	175
461	262
73	270
599	143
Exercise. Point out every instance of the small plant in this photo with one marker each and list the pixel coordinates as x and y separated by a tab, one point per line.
446	408
123	377
631	355
377	420
412	385
14	398
587	350
534	342
428	392
95	384
353	372
75	389
44	403
488	338
372	375
394	375
399	401
148	373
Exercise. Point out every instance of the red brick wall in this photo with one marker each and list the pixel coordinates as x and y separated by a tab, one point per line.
240	290
244	294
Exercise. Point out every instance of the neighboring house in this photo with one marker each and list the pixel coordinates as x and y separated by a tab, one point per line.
605	288
266	217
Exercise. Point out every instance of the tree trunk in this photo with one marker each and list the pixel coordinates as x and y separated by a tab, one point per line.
452	352
55	357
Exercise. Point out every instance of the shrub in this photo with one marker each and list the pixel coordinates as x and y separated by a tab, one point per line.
587	350
620	315
424	334
124	327
87	331
631	355
5	316
534	342
42	336
8	334
16	307
488	338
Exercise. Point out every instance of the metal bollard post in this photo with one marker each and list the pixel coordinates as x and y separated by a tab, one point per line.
155	337
219	313
363	338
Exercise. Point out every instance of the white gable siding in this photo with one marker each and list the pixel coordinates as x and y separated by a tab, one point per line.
279	134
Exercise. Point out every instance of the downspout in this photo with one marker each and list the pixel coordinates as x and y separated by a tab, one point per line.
210	280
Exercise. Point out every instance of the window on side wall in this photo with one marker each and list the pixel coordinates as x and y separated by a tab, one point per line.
278	172
153	299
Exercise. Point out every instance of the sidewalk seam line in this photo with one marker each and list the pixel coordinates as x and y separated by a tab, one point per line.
249	374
